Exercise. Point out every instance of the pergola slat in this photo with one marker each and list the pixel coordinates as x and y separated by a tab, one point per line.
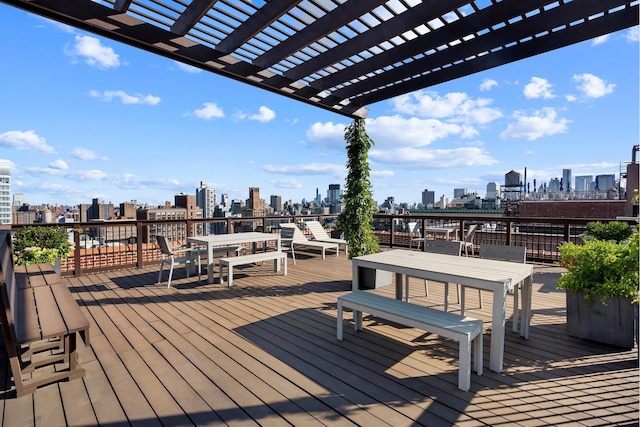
496	39
343	55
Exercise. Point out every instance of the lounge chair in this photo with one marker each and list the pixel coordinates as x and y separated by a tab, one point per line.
291	237
320	235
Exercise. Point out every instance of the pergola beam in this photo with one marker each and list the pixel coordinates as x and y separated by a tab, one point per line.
190	17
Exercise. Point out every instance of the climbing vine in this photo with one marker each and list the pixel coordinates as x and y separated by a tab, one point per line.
356	220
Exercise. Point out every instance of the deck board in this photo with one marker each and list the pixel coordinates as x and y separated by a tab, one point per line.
264	352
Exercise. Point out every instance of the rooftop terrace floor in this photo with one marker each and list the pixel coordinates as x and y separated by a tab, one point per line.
264	352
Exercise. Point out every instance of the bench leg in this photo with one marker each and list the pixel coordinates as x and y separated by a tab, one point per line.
220	271
357	320
230	273
446	296
284	263
276	265
516	307
477	353
464	374
339	325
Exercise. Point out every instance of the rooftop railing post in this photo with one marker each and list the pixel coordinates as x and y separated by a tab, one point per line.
566	231
139	240
392	230
509	230
77	271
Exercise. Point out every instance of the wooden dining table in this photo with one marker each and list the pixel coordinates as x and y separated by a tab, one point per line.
497	276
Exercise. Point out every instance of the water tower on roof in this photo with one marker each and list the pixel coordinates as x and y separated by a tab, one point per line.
512	185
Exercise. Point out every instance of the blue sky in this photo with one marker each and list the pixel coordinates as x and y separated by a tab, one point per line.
85	117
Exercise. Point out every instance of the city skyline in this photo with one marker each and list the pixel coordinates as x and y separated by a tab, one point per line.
102	122
206	195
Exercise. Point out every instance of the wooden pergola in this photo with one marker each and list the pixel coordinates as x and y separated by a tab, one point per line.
342	55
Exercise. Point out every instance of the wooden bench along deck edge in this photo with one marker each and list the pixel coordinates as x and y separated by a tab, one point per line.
465	330
231	262
39	324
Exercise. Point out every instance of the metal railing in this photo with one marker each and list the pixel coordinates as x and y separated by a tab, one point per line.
128	244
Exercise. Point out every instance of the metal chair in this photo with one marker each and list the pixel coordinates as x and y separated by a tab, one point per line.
176	256
415	235
507	253
444	247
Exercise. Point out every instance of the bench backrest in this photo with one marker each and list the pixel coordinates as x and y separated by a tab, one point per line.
445	247
504	253
8	277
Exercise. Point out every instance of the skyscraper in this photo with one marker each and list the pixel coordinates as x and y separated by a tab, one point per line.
5	192
566	180
333	194
428	197
254	198
583	183
276	203
605	182
206	199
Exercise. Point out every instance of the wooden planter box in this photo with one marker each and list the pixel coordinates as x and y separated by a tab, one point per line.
614	325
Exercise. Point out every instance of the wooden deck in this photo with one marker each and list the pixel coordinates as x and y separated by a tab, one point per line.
264	352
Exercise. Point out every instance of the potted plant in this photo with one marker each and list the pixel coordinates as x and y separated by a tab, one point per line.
356	220
601	285
41	245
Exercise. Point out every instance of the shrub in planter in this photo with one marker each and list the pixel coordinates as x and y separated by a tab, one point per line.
601	268
604	275
41	245
618	231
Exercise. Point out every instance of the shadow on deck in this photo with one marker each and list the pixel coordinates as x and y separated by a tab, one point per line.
264	352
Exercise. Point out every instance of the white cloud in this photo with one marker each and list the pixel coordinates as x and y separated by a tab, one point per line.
544	122
328	130
265	115
285	183
308	169
633	35
454	107
488	84
93	52
592	86
125	98
538	88
209	111
93	175
187	68
28	140
59	164
397	131
571	98
600	40
391	131
375	174
84	154
438	158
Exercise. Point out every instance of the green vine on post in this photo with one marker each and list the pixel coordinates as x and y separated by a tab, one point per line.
356	220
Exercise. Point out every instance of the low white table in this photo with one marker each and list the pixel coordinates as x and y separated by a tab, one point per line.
496	276
445	230
214	240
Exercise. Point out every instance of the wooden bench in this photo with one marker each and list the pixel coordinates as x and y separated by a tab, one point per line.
40	323
231	262
450	325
